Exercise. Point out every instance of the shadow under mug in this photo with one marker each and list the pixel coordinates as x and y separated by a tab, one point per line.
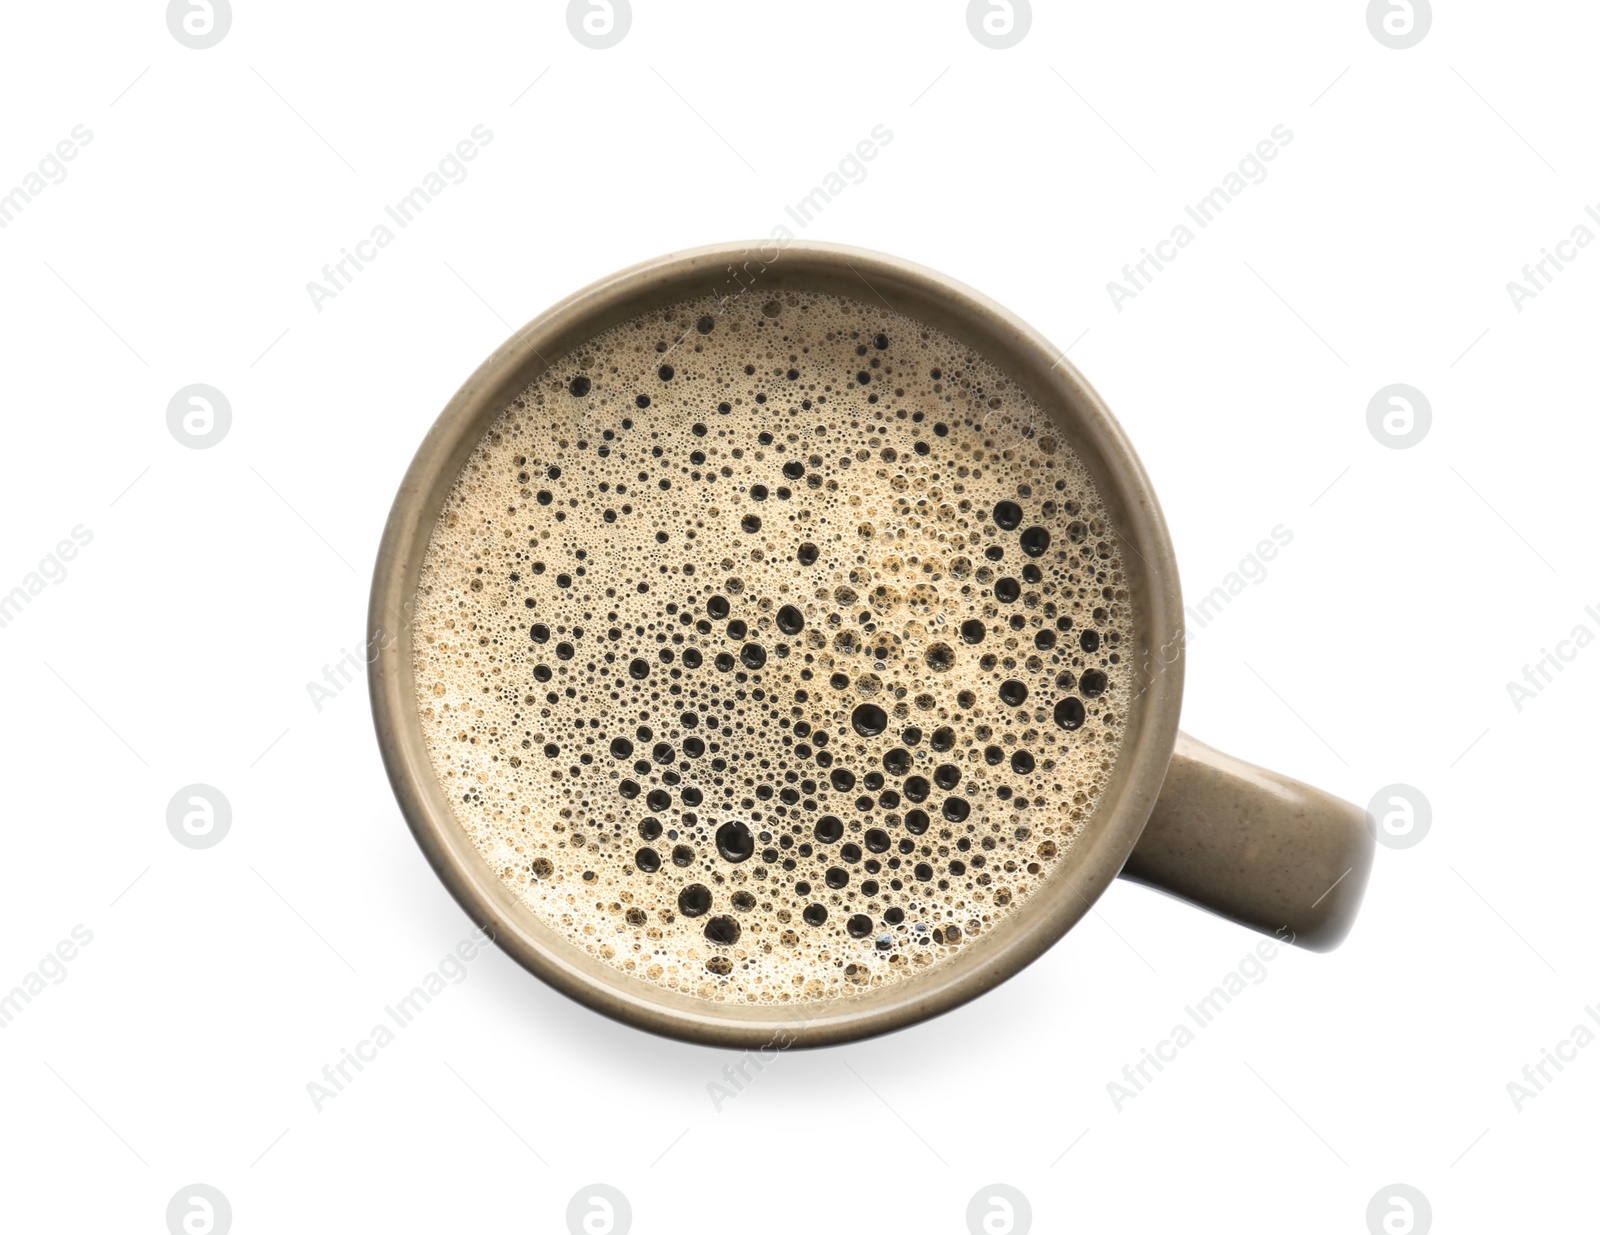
1262	849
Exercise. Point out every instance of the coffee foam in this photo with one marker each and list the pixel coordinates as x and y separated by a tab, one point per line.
769	651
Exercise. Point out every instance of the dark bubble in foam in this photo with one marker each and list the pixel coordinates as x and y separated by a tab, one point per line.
735	842
723	930
869	720
1069	713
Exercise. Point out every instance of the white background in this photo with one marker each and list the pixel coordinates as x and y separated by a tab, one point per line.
1377	649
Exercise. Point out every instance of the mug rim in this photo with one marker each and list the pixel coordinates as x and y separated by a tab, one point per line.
1154	694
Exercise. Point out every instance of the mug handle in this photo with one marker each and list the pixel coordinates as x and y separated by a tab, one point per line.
1262	849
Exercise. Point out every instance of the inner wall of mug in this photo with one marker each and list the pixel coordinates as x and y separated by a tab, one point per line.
1154	665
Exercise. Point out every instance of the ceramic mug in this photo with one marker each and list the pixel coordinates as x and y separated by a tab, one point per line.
1256	847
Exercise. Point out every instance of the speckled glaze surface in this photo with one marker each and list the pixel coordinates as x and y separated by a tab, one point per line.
1255	847
1262	849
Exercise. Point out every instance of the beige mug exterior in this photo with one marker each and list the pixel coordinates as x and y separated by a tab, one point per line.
1243	842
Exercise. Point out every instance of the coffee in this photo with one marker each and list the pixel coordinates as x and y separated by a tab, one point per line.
768	650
